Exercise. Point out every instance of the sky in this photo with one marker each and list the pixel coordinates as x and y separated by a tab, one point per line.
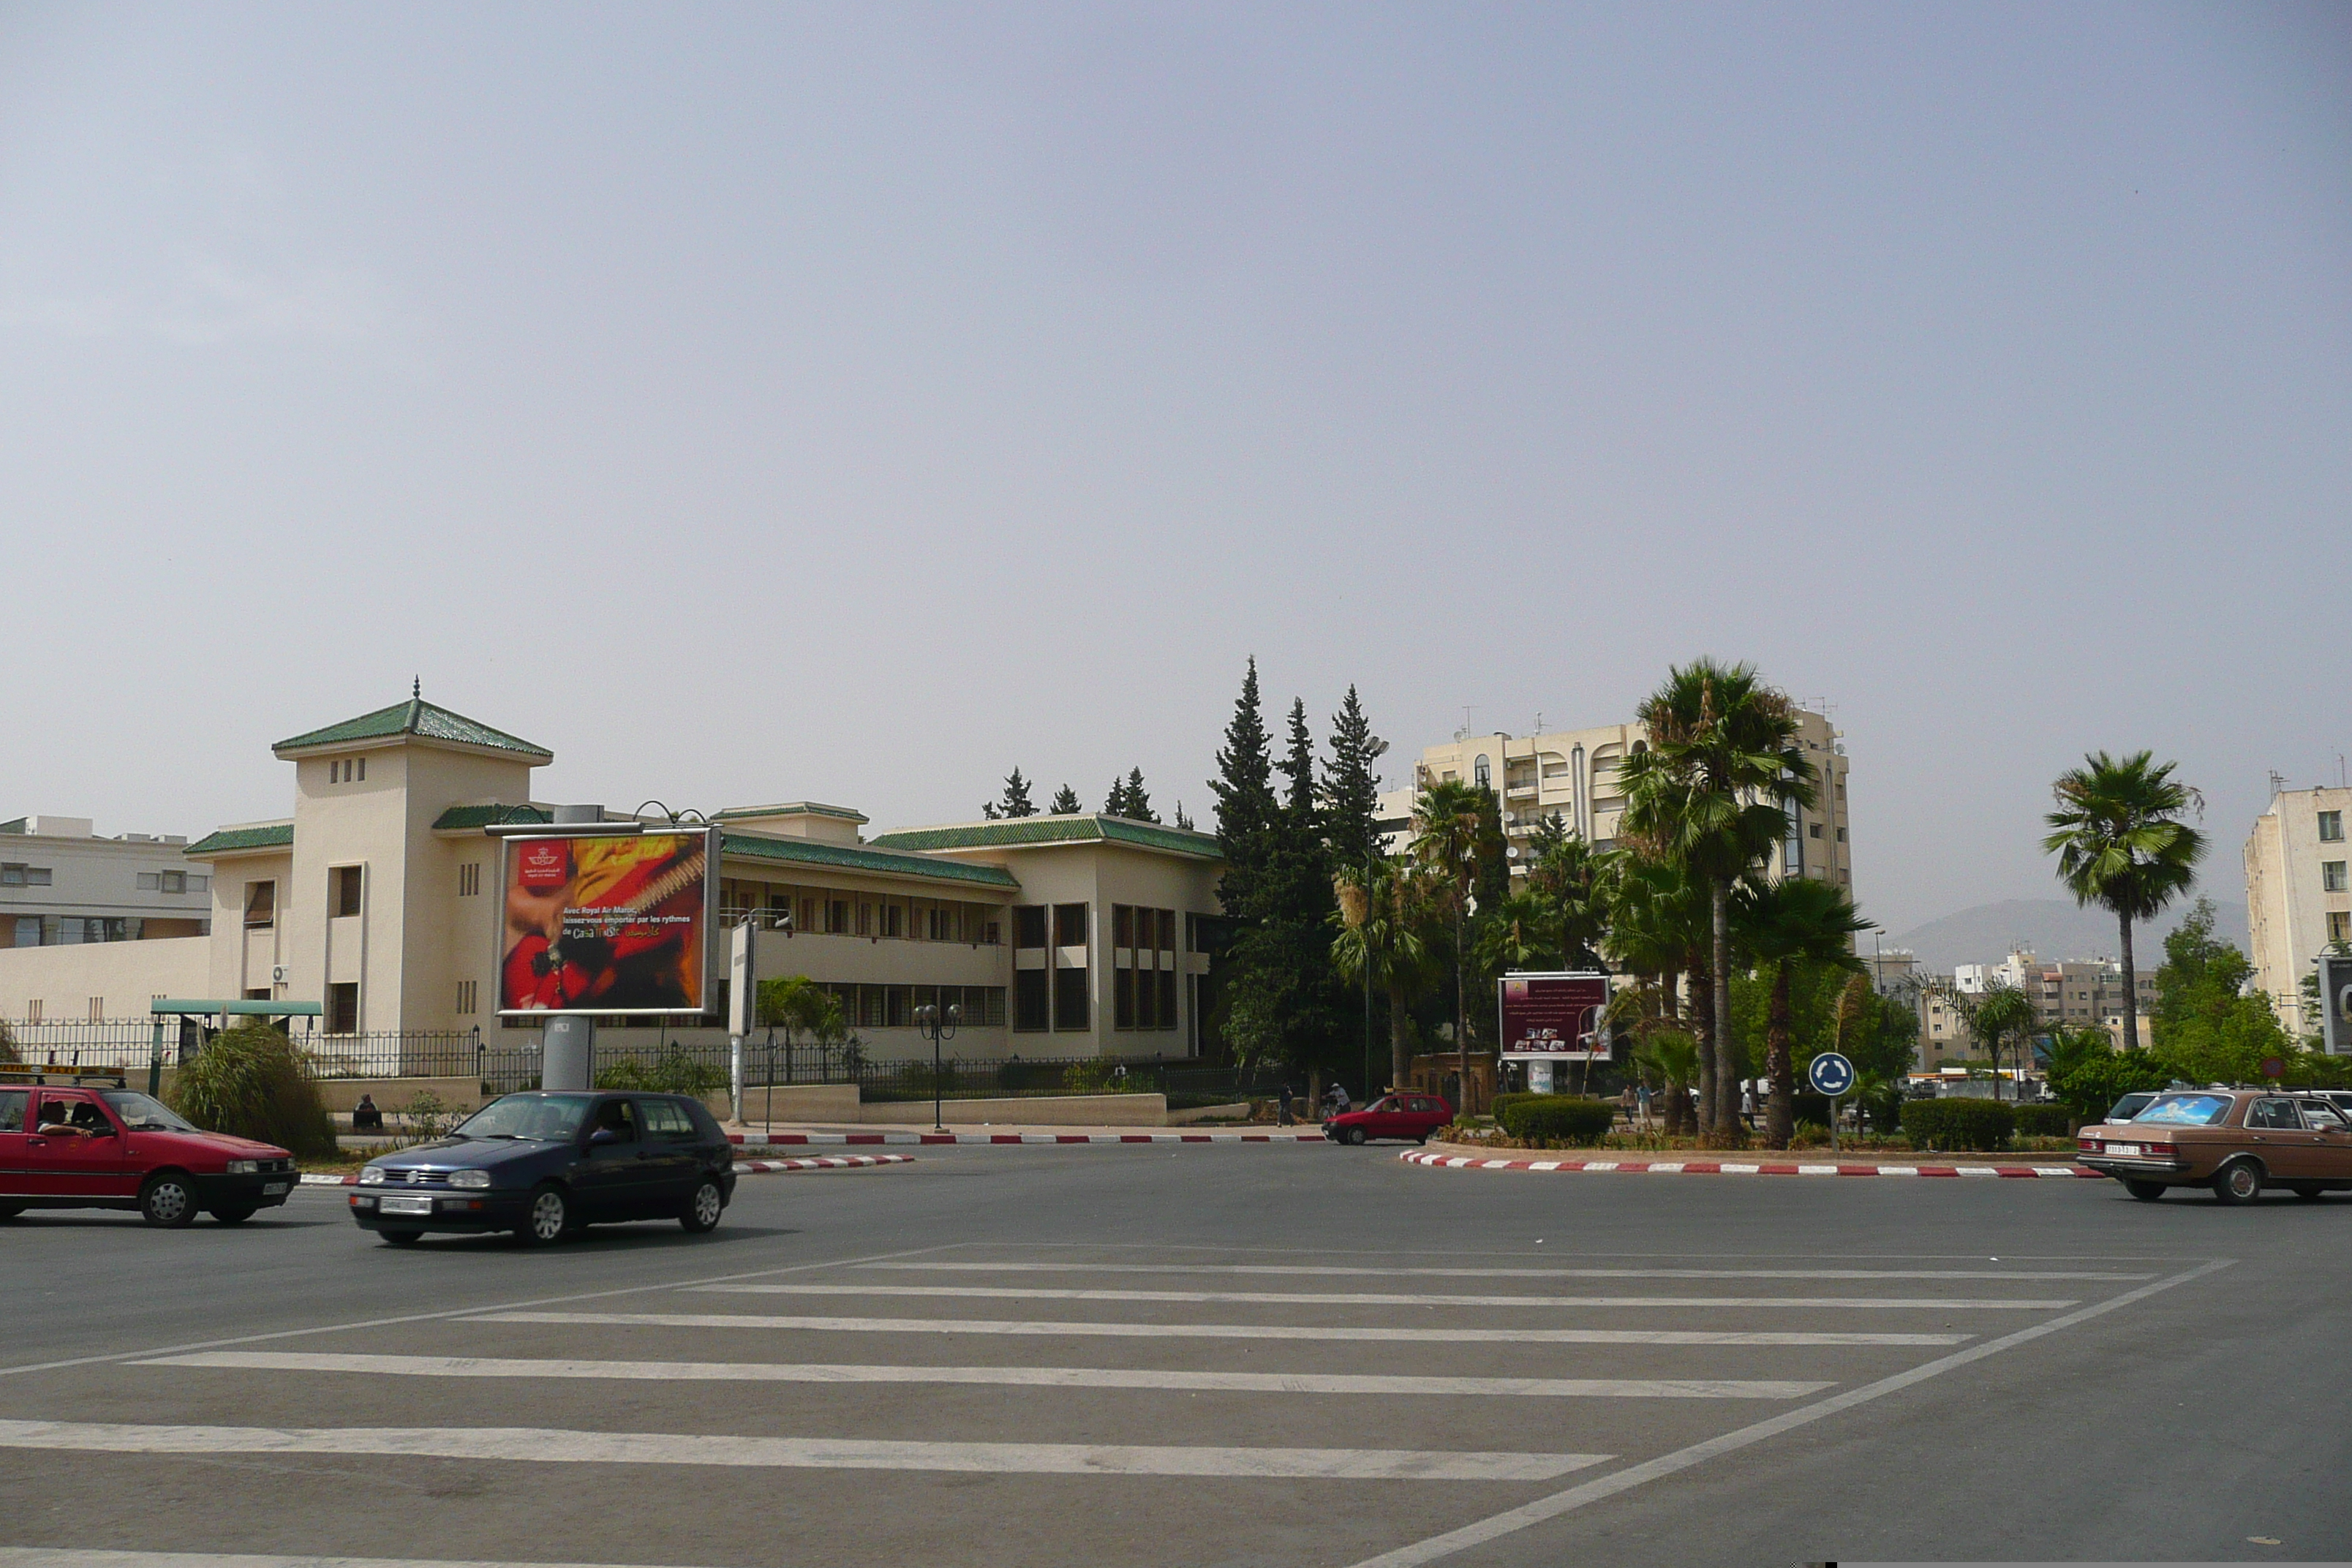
855	403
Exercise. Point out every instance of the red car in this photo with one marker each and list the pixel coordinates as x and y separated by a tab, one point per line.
71	1144
1414	1116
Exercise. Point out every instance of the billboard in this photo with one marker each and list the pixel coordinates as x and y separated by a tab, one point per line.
606	922
1553	1017
2336	1002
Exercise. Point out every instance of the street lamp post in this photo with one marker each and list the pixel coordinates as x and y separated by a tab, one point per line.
937	1024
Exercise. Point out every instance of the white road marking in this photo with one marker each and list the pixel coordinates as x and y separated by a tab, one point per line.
1514	1520
1007	1376
1222	1331
555	1446
69	1557
1499	1273
1313	1298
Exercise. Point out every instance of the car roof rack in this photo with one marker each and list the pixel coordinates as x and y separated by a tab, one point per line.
50	1074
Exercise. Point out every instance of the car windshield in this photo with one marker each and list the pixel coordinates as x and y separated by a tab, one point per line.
143	1113
544	1118
2187	1109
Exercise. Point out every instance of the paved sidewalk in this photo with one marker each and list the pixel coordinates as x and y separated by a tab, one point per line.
1463	1157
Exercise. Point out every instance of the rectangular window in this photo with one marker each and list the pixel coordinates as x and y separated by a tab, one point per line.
836	916
149	882
898	1006
1070	925
1123	925
363	770
28	930
33	1011
1841	835
343	1008
2339	925
1168	930
1167	998
260	904
97	1009
466	996
894	919
1122	999
2331	876
469	878
12	876
175	881
343	891
1814	830
2331	827
1147	996
864	918
200	884
1029	1004
1070	998
1029	927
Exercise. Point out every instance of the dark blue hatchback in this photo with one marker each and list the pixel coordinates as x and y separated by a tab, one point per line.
542	1165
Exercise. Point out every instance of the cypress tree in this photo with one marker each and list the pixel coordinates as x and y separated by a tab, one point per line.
1247	808
1352	790
1066	803
1138	803
1015	801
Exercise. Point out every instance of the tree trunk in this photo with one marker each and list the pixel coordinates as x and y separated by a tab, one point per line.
1703	1030
1400	1036
1781	1117
1727	1058
2131	988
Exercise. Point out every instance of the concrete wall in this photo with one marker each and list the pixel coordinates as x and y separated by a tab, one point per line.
124	975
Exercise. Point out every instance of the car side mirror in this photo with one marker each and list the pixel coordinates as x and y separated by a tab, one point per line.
603	1135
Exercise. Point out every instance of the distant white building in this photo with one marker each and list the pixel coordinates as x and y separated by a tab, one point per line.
62	885
2298	893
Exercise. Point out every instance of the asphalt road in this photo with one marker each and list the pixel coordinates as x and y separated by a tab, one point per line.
1200	1354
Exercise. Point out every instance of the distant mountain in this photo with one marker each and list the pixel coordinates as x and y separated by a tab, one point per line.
2054	928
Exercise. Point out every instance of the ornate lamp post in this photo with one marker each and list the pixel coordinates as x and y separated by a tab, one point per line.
937	1024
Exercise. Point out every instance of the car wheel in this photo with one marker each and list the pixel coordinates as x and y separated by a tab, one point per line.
400	1237
1423	1136
237	1216
2239	1181
2306	1189
549	1217
702	1210
167	1201
2145	1192
10	1211
1354	1136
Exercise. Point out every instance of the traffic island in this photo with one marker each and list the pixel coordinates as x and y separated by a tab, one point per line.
1774	1163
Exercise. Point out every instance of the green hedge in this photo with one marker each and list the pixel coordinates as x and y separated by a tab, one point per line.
1958	1123
2044	1122
1560	1117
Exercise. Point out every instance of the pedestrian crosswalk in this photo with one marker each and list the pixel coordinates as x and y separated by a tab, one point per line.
1110	1367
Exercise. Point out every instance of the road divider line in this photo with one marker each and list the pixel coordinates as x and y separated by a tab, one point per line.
556	1445
1511	1521
1730	1168
1386	1298
1320	1269
76	1557
1402	1386
1047	1329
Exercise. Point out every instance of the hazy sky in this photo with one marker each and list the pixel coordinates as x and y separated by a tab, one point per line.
761	403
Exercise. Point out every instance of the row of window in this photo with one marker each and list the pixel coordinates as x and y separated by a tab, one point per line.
68	930
173	882
1046	999
347	770
832	911
13	875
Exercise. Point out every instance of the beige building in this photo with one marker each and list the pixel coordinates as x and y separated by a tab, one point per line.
2298	892
378	899
1572	775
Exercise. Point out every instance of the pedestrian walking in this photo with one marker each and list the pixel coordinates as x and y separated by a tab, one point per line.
1282	1115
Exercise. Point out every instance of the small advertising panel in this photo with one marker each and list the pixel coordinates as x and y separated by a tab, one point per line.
608	923
2336	1002
1553	1017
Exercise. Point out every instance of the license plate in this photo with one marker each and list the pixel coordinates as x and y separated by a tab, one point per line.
2122	1151
275	1189
404	1202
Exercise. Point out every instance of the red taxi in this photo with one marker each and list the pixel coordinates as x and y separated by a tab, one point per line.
69	1141
1414	1116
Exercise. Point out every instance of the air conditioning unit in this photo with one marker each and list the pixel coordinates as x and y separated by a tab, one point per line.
277	975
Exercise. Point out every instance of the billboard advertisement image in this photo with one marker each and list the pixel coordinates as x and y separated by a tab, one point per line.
1553	1017
2336	1002
606	922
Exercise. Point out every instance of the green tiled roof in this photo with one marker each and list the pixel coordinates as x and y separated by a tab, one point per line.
460	817
414	717
1023	831
229	840
861	858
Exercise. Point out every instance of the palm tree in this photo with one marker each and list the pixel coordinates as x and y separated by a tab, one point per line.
1712	792
1673	1057
1384	912
1999	1013
2121	845
1799	921
1576	880
1445	825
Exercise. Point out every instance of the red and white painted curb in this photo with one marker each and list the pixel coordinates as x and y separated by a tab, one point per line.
742	1167
1739	1168
798	1139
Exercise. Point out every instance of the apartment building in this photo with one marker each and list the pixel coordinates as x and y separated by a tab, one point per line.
378	899
1573	774
63	887
2298	893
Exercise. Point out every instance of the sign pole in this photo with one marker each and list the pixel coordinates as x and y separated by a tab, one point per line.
739	1010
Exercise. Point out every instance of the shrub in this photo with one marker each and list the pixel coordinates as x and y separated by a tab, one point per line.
1567	1118
672	1072
1503	1103
249	1082
1101	1076
1958	1123
7	1045
2044	1122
